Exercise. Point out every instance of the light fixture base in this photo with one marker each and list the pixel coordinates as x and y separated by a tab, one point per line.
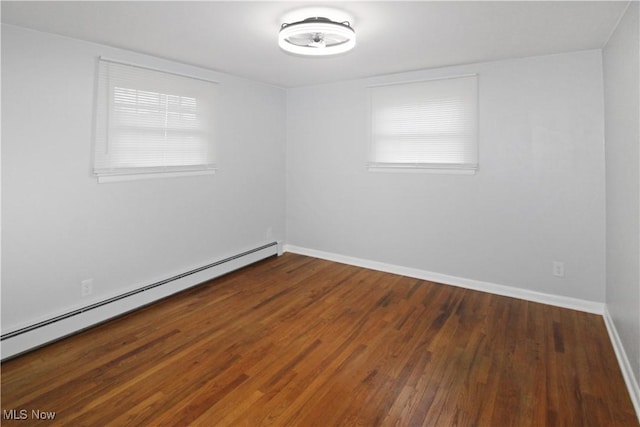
317	36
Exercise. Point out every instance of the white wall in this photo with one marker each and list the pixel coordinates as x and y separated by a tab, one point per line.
60	226
537	197
621	57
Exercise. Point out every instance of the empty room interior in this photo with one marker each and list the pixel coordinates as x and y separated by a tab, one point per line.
320	213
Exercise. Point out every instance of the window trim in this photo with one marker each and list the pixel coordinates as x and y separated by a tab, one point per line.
102	179
105	175
437	168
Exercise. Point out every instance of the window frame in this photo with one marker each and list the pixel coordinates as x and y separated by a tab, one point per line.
467	168
105	166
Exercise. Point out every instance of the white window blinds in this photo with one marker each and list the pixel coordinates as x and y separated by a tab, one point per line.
428	124
152	122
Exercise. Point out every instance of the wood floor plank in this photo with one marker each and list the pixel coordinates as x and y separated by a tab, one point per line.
298	341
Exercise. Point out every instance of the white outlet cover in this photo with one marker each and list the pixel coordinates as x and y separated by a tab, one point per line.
558	269
86	287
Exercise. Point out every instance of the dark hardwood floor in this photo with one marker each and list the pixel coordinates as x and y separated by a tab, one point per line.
297	341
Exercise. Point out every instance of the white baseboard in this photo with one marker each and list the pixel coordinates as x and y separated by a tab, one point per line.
508	291
623	361
28	338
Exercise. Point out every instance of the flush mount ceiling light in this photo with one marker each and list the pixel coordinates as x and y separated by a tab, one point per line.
317	36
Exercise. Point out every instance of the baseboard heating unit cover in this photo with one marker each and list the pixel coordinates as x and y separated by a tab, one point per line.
32	336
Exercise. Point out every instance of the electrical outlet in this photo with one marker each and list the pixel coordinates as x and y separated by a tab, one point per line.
86	287
558	268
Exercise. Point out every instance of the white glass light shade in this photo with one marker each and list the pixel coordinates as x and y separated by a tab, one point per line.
316	37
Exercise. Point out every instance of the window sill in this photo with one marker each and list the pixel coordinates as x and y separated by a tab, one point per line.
103	179
444	171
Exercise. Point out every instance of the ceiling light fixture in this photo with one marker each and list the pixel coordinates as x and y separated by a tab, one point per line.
317	36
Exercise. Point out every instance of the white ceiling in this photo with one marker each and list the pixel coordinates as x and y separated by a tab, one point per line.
240	38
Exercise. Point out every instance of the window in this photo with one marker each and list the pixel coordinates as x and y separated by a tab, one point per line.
425	125
151	123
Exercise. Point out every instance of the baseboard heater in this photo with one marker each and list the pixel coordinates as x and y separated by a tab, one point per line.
38	334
